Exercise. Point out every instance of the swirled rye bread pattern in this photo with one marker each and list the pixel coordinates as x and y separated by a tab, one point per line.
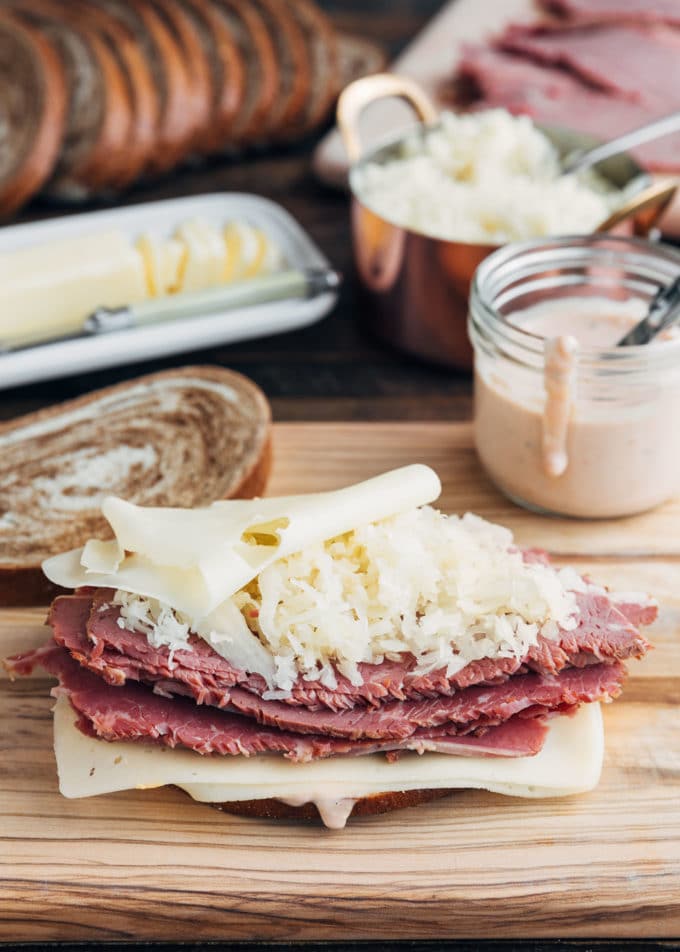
178	438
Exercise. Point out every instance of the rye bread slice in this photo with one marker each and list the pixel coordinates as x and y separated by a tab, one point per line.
32	111
227	71
99	114
293	66
256	47
170	73
182	437
198	88
371	805
322	51
118	26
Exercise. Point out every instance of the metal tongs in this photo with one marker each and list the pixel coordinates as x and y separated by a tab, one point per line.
664	311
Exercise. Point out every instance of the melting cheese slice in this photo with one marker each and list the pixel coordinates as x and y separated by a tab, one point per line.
194	559
570	762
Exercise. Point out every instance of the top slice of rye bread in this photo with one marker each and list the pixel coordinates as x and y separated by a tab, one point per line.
182	437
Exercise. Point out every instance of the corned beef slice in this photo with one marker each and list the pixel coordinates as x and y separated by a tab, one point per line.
135	713
495	707
639	64
118	654
615	11
493	78
467	710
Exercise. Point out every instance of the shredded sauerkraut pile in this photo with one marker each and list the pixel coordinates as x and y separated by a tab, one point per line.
447	590
487	177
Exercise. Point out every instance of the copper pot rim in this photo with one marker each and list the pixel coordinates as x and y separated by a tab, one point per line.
625	173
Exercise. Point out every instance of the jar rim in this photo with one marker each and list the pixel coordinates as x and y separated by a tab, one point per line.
655	263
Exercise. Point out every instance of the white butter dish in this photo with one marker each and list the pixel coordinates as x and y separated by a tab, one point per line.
161	219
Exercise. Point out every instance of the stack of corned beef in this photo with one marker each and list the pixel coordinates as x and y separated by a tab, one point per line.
124	688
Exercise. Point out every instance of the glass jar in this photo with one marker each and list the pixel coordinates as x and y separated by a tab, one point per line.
621	434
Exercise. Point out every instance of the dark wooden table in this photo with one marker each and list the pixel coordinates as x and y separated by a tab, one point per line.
331	371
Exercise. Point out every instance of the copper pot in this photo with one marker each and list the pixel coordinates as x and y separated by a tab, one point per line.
418	286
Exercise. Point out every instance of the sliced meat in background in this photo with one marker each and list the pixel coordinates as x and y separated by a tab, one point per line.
615	11
642	65
489	78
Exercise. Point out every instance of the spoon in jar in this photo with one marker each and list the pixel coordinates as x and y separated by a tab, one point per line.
664	311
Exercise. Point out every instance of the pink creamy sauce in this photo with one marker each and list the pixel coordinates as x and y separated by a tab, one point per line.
551	448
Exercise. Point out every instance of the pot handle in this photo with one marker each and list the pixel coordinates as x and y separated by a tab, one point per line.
644	209
362	92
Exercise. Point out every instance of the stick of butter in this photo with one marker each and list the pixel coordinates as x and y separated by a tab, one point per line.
49	290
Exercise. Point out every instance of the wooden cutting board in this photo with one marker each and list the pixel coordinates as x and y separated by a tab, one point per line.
153	865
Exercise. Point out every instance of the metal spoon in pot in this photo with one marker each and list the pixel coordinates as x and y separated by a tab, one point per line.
664	311
580	160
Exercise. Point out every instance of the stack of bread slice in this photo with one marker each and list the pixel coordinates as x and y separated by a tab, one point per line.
98	94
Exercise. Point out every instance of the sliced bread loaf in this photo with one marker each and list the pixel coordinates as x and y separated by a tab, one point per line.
256	47
227	71
178	438
99	114
198	85
293	66
117	25
32	110
322	52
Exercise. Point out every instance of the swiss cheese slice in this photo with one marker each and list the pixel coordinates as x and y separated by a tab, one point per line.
569	763
194	559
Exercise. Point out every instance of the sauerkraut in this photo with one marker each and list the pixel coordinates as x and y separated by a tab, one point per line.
489	177
444	589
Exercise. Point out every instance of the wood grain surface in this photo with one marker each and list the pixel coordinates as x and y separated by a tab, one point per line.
153	865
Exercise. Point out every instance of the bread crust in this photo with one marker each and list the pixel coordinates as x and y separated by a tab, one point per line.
95	165
227	71
272	809
197	93
322	51
142	95
177	124
293	66
261	72
37	163
22	585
